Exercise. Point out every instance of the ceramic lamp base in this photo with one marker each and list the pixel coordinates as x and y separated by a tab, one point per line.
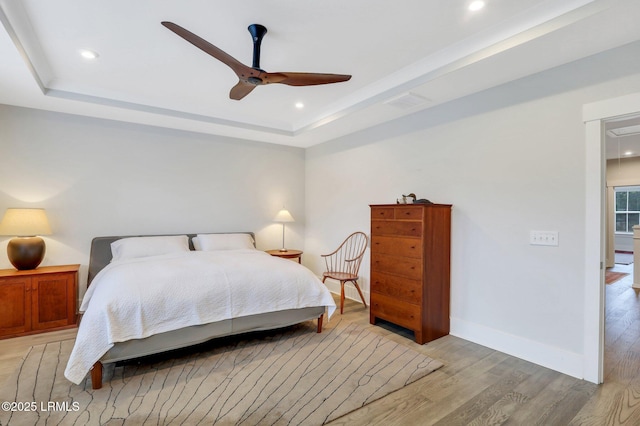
26	252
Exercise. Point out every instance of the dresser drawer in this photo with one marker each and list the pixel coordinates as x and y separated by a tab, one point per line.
404	267
382	213
395	311
397	228
409	213
393	286
404	247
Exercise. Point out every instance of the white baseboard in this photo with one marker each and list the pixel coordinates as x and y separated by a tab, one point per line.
560	360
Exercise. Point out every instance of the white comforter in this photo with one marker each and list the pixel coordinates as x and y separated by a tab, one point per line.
137	298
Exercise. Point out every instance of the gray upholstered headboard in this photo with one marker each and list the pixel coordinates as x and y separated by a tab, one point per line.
100	255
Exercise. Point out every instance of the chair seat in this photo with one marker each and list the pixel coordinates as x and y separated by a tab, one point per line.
340	276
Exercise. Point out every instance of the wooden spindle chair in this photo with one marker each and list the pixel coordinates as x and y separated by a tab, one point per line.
344	263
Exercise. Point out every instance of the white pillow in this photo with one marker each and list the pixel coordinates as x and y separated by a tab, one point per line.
212	242
132	247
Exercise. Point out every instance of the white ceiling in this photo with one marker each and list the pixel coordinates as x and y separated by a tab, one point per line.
625	143
435	49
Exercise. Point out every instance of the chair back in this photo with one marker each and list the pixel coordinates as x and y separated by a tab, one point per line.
348	256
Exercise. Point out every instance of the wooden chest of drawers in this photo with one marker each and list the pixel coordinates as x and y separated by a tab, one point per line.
410	267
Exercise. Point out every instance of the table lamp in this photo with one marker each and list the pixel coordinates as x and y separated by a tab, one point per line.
26	250
283	217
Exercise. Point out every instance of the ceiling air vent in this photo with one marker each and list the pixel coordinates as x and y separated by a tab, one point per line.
624	131
406	101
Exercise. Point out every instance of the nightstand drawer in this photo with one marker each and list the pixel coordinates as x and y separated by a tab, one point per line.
404	247
398	228
395	311
397	287
404	267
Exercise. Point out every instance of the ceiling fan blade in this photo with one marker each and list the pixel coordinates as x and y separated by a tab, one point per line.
241	90
241	70
305	79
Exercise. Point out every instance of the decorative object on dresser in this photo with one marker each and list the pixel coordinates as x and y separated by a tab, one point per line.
27	249
411	199
343	263
283	217
38	300
288	254
410	267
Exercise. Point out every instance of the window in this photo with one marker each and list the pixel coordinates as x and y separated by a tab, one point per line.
627	208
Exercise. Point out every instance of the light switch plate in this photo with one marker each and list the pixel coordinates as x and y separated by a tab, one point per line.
543	238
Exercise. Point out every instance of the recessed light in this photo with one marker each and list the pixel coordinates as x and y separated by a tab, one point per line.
299	105
628	153
88	54
476	5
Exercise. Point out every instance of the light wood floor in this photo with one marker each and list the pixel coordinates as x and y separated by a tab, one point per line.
480	386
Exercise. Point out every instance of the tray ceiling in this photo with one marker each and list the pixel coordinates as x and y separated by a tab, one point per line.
404	57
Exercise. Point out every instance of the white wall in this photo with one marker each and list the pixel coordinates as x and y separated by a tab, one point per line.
510	160
624	243
97	177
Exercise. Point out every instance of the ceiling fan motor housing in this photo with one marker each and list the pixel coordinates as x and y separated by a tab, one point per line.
257	31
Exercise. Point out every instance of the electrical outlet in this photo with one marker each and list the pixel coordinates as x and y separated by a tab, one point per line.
543	238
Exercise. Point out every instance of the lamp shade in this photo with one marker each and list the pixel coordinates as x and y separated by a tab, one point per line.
283	216
25	223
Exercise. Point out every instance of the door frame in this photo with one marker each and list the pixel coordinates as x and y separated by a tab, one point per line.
594	116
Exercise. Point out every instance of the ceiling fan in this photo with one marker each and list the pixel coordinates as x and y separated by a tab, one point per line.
253	76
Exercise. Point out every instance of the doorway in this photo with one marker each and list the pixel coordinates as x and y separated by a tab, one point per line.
596	116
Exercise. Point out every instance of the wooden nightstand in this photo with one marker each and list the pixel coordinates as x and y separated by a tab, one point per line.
289	254
38	300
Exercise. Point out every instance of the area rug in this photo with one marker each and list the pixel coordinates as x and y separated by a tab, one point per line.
290	376
611	277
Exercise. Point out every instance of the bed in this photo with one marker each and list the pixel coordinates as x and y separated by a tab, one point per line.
154	293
